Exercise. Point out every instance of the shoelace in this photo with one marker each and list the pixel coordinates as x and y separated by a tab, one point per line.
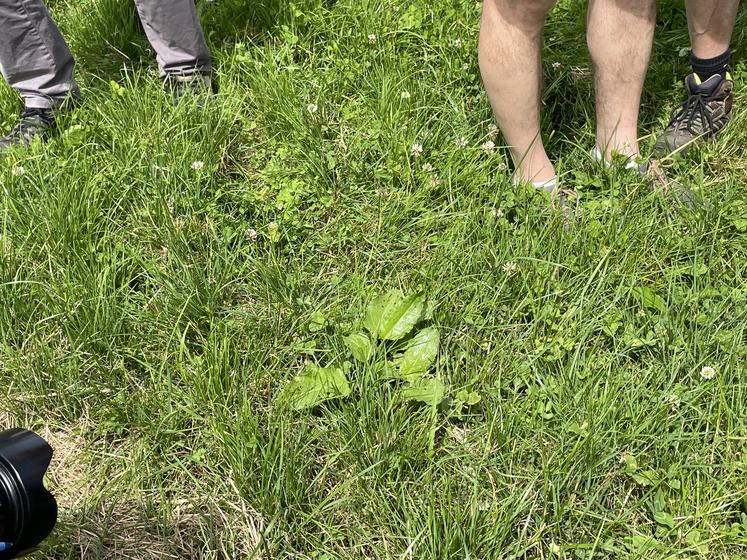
695	106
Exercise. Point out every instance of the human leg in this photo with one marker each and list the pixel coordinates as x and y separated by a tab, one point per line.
620	37
174	31
511	67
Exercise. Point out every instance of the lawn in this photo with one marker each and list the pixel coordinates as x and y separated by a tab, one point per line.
313	319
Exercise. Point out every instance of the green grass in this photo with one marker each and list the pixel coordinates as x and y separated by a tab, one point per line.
151	313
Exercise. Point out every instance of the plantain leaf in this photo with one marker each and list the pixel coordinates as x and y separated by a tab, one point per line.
360	345
386	370
420	354
313	386
392	316
428	391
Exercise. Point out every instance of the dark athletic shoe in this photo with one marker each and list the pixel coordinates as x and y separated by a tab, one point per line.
197	84
32	123
703	115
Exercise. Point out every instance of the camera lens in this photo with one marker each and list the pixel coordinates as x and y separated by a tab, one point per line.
28	512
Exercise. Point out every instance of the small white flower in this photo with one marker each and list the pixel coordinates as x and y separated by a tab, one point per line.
458	44
673	401
416	149
465	66
461	143
556	65
708	373
272	226
197	165
497	213
492	131
435	181
251	234
427	167
18	171
404	95
488	147
312	108
510	267
372	38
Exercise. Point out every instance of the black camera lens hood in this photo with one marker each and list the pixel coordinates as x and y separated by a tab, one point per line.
28	510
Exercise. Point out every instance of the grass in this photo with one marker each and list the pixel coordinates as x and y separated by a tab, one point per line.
151	313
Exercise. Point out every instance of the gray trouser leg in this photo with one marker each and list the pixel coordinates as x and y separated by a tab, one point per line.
34	58
174	31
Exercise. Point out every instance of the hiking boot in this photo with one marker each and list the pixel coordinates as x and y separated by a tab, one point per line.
180	86
703	115
31	123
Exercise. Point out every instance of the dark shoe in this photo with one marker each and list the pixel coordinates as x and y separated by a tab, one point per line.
32	123
179	86
703	115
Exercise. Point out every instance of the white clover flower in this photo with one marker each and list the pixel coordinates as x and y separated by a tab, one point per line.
435	181
465	66
488	147
272	226
372	38
556	65
312	108
18	171
251	234
197	165
510	267
492	131
461	143
457	43
708	373
497	213
416	149
673	401
404	95
427	167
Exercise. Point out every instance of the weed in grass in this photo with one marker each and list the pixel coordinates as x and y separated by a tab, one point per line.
165	271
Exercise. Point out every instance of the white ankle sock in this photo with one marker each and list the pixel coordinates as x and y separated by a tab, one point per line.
550	185
596	155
